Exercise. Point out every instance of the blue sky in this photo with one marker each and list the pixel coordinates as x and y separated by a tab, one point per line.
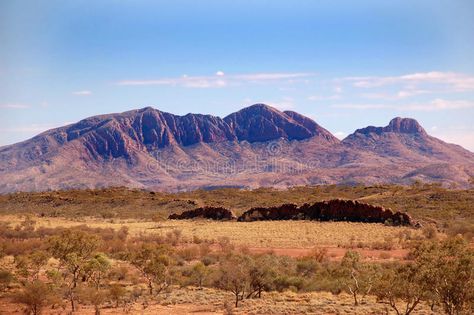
346	64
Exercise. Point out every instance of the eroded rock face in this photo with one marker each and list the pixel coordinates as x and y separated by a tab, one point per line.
333	210
116	135
259	123
213	213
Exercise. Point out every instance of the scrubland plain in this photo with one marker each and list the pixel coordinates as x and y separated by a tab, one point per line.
113	251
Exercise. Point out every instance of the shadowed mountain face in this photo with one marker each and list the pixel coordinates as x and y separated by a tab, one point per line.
260	123
256	146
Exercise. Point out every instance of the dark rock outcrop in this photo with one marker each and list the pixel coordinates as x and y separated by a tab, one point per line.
213	213
333	210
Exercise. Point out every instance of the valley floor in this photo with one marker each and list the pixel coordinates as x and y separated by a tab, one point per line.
292	238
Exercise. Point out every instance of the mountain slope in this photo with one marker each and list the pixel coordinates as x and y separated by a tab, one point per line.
405	142
405	138
256	146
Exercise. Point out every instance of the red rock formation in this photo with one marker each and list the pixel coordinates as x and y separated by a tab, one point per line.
333	210
213	213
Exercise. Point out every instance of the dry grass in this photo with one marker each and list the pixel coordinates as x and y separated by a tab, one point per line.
427	203
272	234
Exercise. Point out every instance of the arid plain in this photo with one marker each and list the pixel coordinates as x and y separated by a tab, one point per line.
302	264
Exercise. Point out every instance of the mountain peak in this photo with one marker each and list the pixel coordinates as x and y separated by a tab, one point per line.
396	125
149	148
146	109
405	125
258	109
117	135
261	122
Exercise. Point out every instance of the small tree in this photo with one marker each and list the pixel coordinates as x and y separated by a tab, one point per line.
6	278
357	276
261	275
447	269
199	273
29	266
96	269
234	276
94	296
73	248
117	293
154	264
401	285
36	295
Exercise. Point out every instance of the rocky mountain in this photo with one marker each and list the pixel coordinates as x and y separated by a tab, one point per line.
256	146
405	138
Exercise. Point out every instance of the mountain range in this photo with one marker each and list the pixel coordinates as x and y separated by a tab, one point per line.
256	146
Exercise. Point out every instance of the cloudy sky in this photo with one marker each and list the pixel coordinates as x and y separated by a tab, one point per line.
346	64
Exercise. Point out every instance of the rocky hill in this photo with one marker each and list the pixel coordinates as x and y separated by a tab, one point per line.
256	146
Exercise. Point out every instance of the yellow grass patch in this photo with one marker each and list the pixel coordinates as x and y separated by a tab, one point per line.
279	234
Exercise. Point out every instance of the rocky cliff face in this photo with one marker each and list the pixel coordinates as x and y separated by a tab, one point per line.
256	146
260	123
118	135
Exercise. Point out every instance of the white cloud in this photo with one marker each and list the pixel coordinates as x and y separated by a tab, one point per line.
450	81
433	105
216	81
441	104
82	93
397	96
14	106
271	76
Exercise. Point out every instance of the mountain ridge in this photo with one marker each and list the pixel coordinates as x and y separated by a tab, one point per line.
268	147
